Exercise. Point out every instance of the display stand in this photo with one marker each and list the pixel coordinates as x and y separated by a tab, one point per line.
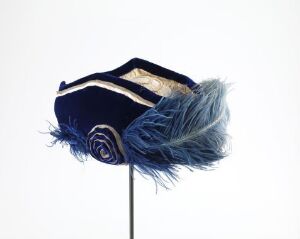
131	202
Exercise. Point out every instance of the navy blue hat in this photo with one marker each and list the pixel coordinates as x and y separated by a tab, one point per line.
144	115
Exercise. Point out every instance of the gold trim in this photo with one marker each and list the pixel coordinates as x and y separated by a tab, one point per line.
115	133
109	86
157	84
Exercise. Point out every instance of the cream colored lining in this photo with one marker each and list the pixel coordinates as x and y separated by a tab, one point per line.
109	86
159	85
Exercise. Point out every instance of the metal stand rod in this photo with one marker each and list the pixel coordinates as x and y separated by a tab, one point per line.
131	203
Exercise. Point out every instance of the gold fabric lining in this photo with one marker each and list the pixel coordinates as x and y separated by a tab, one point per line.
109	86
115	133
157	84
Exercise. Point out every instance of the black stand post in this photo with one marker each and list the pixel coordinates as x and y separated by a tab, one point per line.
131	203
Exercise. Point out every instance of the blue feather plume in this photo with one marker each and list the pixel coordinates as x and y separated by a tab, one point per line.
181	130
69	134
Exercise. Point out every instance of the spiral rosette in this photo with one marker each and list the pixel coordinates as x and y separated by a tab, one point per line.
105	145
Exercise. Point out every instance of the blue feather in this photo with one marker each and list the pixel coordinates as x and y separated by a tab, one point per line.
186	130
69	134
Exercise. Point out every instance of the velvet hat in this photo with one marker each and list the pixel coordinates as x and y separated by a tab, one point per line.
145	115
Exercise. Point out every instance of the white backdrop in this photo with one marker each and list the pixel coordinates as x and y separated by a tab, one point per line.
254	193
